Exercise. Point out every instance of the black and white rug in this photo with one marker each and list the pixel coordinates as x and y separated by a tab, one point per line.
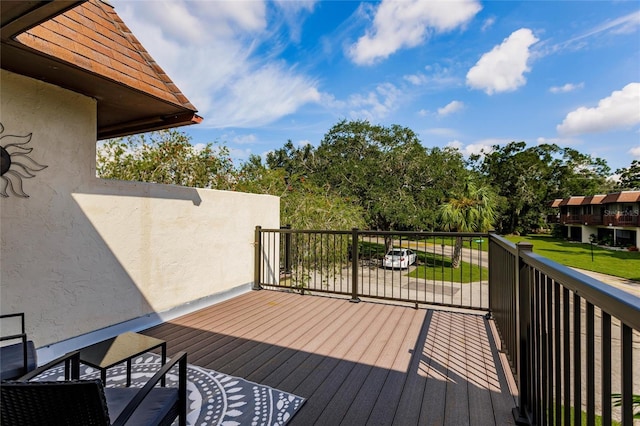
213	398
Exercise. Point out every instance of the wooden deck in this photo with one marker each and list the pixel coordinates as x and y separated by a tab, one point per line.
356	363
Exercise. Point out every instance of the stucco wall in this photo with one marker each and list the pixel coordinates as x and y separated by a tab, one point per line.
81	253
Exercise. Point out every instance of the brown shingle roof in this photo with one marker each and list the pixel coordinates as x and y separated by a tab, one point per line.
572	201
88	48
616	197
593	199
622	197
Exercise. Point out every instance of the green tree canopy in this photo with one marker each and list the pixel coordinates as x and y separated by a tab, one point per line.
303	205
629	177
165	156
529	179
473	209
387	170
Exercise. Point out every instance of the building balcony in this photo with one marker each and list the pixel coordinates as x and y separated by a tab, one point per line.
571	218
504	337
592	219
621	220
565	341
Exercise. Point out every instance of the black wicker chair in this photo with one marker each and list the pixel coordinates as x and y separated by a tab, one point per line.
88	402
16	359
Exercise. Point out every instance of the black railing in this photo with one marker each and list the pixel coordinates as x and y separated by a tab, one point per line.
569	338
352	263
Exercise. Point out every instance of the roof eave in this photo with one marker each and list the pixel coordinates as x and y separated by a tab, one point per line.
148	125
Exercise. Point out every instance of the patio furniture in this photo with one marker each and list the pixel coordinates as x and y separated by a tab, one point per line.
18	358
88	402
124	347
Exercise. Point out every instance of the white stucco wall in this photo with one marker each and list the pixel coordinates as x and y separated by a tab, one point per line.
81	253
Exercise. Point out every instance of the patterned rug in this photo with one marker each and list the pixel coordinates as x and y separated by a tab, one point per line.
213	398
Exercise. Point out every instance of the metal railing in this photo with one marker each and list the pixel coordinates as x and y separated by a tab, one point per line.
352	263
569	338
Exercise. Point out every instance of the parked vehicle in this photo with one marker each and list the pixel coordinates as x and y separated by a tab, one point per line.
399	258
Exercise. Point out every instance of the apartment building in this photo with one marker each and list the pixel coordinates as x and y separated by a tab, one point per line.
612	218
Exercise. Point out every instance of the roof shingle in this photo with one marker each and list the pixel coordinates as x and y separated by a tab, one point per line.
93	36
84	46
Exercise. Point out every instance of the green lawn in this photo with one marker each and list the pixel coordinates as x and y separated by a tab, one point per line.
619	263
434	267
472	243
438	268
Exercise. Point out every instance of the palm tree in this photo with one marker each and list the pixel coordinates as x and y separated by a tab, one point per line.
473	210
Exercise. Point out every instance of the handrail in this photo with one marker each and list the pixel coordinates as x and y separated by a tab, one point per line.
608	298
544	312
352	263
623	305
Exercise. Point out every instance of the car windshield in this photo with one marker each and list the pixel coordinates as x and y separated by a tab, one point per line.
396	253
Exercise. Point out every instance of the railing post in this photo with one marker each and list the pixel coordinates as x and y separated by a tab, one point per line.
355	254
287	250
523	334
492	275
257	258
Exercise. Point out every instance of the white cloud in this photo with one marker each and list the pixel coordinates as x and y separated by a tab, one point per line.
471	149
191	22
477	148
488	23
239	154
450	108
291	11
489	142
374	105
434	77
244	139
635	152
569	87
406	24
624	25
502	69
455	144
220	55
618	111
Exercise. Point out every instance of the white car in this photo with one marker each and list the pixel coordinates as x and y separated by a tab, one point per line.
399	258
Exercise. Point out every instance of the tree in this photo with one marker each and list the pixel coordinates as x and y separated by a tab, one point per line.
579	174
386	169
303	205
471	210
294	161
165	156
529	179
629	177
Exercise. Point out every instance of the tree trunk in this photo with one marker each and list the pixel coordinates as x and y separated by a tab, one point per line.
457	253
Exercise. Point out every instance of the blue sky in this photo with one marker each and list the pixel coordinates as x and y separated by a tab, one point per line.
468	74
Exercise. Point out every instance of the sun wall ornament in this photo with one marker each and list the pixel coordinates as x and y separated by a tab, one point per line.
15	163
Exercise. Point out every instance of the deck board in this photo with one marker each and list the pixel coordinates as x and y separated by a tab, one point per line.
356	363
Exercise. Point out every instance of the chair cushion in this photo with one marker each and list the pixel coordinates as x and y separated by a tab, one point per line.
153	409
79	402
12	363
